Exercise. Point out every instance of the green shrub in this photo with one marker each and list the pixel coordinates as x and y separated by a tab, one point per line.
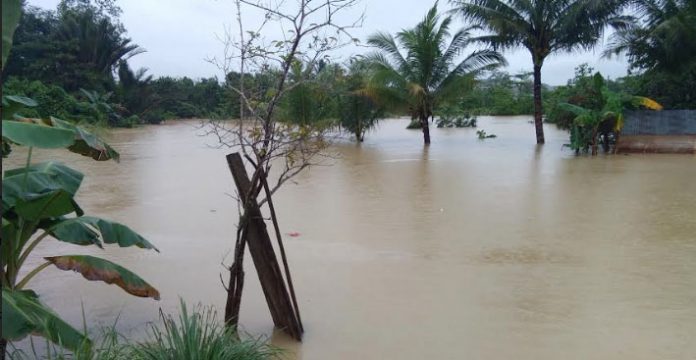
131	121
454	117
155	117
55	101
414	125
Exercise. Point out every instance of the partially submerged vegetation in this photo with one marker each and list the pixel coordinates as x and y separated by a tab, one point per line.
592	112
482	135
422	68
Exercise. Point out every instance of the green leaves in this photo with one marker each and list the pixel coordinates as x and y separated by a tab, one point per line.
11	12
53	204
38	196
41	191
11	104
93	268
88	230
60	175
23	314
56	133
422	67
36	135
86	143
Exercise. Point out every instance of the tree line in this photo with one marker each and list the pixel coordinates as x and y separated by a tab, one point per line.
74	61
60	56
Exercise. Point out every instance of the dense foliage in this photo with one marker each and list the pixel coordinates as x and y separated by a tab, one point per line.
79	45
501	94
591	108
60	56
661	50
358	112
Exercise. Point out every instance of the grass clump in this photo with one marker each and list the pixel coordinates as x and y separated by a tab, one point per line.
193	335
198	336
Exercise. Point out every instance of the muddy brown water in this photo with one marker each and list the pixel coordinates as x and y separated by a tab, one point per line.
468	249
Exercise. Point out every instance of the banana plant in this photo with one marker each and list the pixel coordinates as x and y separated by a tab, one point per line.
38	204
605	118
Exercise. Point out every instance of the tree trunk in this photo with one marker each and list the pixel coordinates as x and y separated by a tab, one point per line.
236	283
426	129
538	111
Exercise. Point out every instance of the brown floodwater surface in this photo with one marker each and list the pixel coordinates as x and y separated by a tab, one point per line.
467	249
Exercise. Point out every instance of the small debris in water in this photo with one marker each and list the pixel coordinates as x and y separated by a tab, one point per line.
294	234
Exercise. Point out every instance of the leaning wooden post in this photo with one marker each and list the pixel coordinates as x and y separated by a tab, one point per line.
255	235
281	247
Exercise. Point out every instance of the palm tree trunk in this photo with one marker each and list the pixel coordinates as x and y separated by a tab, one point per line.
426	129
538	111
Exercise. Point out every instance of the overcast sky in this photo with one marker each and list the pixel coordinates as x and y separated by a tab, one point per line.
179	34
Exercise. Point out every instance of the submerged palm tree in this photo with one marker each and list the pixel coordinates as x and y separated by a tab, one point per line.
543	27
418	69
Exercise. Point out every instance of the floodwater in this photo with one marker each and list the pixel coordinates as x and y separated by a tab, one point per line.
468	249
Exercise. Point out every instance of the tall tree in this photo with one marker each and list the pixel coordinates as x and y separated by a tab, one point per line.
663	40
543	27
134	90
420	69
661	48
99	44
79	45
357	112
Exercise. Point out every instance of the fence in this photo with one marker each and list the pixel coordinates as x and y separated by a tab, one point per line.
665	122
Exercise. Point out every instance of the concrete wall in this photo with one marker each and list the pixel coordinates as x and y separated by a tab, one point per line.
667	131
658	144
665	122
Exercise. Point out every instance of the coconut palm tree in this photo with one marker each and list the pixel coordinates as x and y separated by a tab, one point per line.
357	111
419	69
663	40
543	27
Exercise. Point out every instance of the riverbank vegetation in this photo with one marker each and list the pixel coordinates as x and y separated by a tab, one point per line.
92	80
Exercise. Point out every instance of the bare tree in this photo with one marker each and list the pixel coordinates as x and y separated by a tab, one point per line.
310	29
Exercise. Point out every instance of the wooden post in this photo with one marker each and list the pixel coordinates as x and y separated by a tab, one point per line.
255	234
